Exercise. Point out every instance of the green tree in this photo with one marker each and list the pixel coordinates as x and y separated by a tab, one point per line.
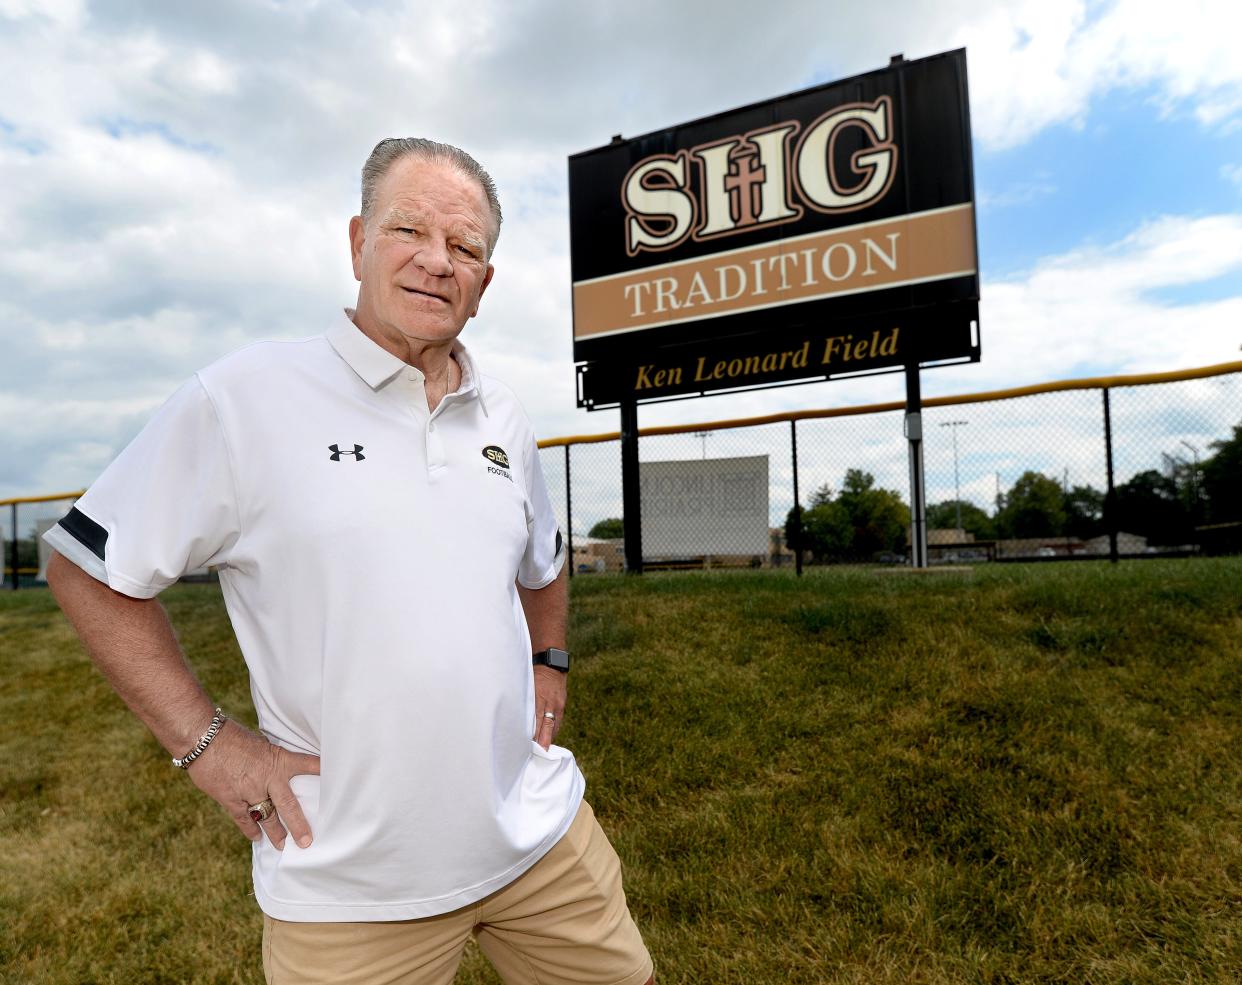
878	516
854	525
1222	479
943	516
1033	507
814	533
795	536
821	495
1084	512
612	528
1149	504
1186	479
826	533
829	532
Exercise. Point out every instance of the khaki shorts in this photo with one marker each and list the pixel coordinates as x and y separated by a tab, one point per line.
562	922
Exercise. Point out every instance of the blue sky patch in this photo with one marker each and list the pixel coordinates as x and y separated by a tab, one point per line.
1069	186
122	127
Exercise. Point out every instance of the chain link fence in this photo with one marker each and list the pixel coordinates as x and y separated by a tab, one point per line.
22	523
1021	474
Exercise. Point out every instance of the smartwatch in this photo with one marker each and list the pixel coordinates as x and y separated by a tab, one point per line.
552	657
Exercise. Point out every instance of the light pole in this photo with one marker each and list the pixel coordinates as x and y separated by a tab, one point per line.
704	435
1194	477
957	489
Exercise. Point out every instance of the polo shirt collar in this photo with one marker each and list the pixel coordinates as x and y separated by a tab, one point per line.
377	367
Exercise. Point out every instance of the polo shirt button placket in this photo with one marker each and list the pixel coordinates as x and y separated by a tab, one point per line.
435	448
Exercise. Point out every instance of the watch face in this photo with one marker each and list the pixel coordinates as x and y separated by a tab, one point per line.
558	658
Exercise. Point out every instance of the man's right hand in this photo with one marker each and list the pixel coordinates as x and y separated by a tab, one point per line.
132	642
241	768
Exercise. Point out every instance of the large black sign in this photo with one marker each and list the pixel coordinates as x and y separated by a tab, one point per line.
827	232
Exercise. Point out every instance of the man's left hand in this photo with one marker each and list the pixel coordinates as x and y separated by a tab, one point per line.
550	691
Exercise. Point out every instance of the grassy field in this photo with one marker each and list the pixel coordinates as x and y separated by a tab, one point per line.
1024	774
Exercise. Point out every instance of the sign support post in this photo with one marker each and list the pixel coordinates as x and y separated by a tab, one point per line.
1110	498
14	507
797	510
914	434
569	515
631	491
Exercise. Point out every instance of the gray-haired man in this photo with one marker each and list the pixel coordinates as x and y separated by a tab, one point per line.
393	571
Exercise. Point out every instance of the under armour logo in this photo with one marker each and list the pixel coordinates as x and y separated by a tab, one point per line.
337	453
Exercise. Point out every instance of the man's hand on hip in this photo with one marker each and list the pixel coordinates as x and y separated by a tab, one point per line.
132	642
241	768
546	611
550	691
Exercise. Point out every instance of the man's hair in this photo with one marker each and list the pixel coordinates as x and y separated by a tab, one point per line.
387	152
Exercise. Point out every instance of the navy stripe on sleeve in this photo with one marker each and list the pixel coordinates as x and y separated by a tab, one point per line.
86	531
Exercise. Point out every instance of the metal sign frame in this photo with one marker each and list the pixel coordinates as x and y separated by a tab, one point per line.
825	233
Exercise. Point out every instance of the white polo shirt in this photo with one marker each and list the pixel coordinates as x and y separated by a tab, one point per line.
367	552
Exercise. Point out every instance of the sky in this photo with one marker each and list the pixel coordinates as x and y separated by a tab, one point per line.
177	180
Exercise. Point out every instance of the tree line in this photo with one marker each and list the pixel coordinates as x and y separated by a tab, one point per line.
860	521
1165	506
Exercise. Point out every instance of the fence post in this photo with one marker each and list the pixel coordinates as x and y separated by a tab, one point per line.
13	506
631	490
914	438
569	515
1110	497
797	510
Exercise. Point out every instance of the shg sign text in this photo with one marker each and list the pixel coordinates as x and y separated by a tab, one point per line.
829	231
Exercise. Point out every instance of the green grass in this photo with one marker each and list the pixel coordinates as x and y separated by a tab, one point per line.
1030	774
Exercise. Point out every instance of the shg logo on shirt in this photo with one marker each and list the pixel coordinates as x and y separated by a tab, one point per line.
496	454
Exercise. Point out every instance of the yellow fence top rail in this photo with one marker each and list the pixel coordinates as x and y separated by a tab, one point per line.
50	497
1090	383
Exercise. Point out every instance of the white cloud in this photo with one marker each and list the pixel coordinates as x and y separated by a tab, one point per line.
64	13
1036	63
1100	306
1017	193
175	179
1022	77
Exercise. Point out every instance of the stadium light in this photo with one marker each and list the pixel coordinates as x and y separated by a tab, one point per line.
957	489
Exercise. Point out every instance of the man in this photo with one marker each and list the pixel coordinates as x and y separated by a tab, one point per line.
390	563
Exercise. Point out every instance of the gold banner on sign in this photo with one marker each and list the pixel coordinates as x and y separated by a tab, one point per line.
909	249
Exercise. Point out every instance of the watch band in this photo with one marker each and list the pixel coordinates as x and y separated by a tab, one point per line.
553	657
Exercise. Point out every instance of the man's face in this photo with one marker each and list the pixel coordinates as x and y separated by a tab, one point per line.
421	257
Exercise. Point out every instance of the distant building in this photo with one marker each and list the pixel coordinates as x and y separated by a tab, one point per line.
779	554
938	537
608	554
1040	547
1126	544
598	554
1220	538
949	544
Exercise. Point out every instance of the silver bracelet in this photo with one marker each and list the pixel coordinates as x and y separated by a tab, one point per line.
217	723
